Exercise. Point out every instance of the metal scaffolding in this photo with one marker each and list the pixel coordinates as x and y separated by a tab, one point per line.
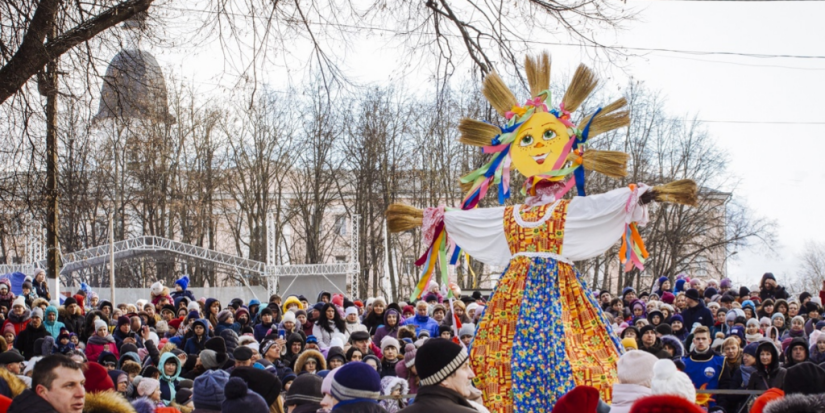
151	245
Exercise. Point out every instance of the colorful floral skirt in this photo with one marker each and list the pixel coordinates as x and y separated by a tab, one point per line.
542	333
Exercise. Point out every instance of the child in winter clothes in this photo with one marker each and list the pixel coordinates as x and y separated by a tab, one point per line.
389	350
181	290
52	325
158	292
396	387
64	344
28	293
6	296
101	341
169	373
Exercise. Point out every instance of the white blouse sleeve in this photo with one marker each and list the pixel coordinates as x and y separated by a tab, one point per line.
480	233
595	222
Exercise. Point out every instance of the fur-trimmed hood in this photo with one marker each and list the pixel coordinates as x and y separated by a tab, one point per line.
322	362
389	382
107	402
797	403
16	385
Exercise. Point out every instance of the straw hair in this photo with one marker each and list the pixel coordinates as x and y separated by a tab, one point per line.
538	72
583	83
477	133
683	191
498	94
466	187
609	163
402	217
608	119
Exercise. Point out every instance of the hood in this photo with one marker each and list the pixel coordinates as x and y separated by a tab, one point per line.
749	303
208	305
204	323
105	303
292	300
397	317
322	361
797	342
766	345
6	282
129	355
50	310
106	402
336	351
161	366
390	382
638	303
322	294
674	342
797	403
295	338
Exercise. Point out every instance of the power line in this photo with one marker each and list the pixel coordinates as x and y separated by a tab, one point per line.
597	46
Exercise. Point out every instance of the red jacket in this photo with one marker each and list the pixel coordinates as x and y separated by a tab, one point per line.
93	350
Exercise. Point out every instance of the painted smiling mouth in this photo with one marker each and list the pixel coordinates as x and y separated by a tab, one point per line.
540	158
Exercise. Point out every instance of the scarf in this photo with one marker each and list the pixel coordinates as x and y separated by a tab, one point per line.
98	340
752	338
746	374
16	319
8	296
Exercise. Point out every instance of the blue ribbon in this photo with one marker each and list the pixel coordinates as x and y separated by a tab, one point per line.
454	258
579	172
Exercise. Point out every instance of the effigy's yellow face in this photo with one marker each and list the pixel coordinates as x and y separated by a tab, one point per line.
539	143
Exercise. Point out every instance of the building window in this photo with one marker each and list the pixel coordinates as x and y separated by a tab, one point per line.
340	259
340	225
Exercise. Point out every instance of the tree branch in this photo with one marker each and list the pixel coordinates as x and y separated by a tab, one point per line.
33	54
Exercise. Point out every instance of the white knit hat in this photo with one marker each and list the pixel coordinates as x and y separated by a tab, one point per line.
471	307
636	367
147	386
193	306
289	317
19	301
157	288
667	379
100	324
350	310
467	329
389	341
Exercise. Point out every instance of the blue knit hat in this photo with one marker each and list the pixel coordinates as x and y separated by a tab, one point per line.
183	282
356	381
751	348
208	391
662	280
627	290
737	331
240	399
680	286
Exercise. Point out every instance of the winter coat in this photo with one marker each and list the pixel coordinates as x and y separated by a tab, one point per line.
385	330
324	336
30	402
25	340
387	385
769	376
624	395
97	345
797	342
289	358
372	321
423	323
106	402
19	323
739	381
657	349
359	406
699	314
42	289
193	345
231	340
438	399
388	368
177	295
778	293
54	327
169	385
236	327
10	385
74	322
260	330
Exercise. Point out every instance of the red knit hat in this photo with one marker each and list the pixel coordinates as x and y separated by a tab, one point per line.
175	323
582	399
664	404
766	397
97	378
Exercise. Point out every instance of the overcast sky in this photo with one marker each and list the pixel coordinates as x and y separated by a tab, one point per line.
766	111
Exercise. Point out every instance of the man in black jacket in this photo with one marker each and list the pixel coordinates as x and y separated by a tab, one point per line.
34	330
68	316
696	311
650	343
57	387
444	371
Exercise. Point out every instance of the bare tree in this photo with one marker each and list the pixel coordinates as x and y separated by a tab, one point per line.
811	274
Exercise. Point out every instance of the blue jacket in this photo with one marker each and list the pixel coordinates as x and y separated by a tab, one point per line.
706	370
236	327
261	329
699	314
426	323
54	327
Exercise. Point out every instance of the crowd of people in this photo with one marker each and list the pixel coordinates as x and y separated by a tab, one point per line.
172	352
